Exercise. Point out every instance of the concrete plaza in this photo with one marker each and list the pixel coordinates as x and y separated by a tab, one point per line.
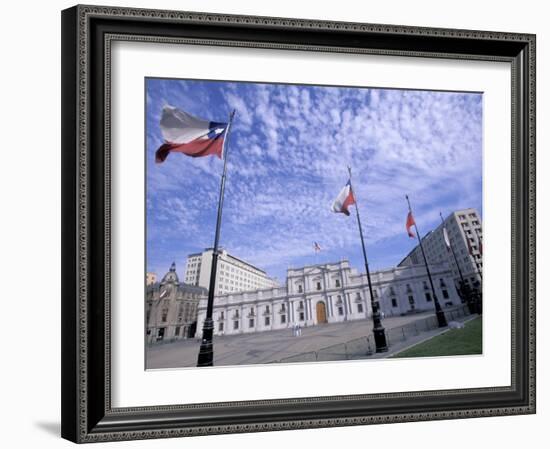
267	347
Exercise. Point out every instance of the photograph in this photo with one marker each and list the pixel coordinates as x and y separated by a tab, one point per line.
298	220
297	223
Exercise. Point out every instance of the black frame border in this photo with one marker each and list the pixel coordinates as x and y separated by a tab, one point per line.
87	33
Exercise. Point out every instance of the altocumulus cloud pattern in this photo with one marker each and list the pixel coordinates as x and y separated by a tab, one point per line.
288	154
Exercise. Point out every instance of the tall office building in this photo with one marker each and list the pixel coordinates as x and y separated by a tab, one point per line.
465	232
233	274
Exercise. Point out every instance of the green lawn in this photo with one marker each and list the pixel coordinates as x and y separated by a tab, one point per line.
464	341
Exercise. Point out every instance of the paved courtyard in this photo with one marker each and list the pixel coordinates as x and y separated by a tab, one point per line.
266	347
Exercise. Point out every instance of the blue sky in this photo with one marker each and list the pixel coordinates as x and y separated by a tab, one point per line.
288	154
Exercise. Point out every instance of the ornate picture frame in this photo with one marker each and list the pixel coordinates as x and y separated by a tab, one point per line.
88	33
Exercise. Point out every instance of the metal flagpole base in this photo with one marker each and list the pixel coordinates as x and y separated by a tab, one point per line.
206	352
380	339
441	320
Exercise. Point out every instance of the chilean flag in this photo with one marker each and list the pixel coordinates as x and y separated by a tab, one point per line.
344	199
184	133
409	224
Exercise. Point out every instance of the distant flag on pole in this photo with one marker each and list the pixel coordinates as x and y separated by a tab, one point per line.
344	199
409	224
446	237
184	133
316	247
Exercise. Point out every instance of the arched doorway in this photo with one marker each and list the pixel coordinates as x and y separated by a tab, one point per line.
321	310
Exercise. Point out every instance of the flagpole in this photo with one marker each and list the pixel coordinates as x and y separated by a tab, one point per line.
206	352
378	329
441	320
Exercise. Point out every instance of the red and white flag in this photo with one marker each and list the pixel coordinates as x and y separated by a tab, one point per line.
344	199
409	224
184	133
316	247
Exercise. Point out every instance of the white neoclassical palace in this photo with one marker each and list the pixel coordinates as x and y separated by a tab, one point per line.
329	293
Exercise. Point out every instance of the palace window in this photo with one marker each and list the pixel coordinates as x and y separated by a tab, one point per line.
251	322
283	319
425	285
337	282
267	321
221	315
359	308
300	289
282	308
235	324
340	311
177	331
428	296
442	283
301	316
392	291
220	327
445	294
266	309
318	286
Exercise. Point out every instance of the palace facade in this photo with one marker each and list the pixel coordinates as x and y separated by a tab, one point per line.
330	293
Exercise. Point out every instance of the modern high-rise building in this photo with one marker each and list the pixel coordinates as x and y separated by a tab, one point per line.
233	274
465	232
